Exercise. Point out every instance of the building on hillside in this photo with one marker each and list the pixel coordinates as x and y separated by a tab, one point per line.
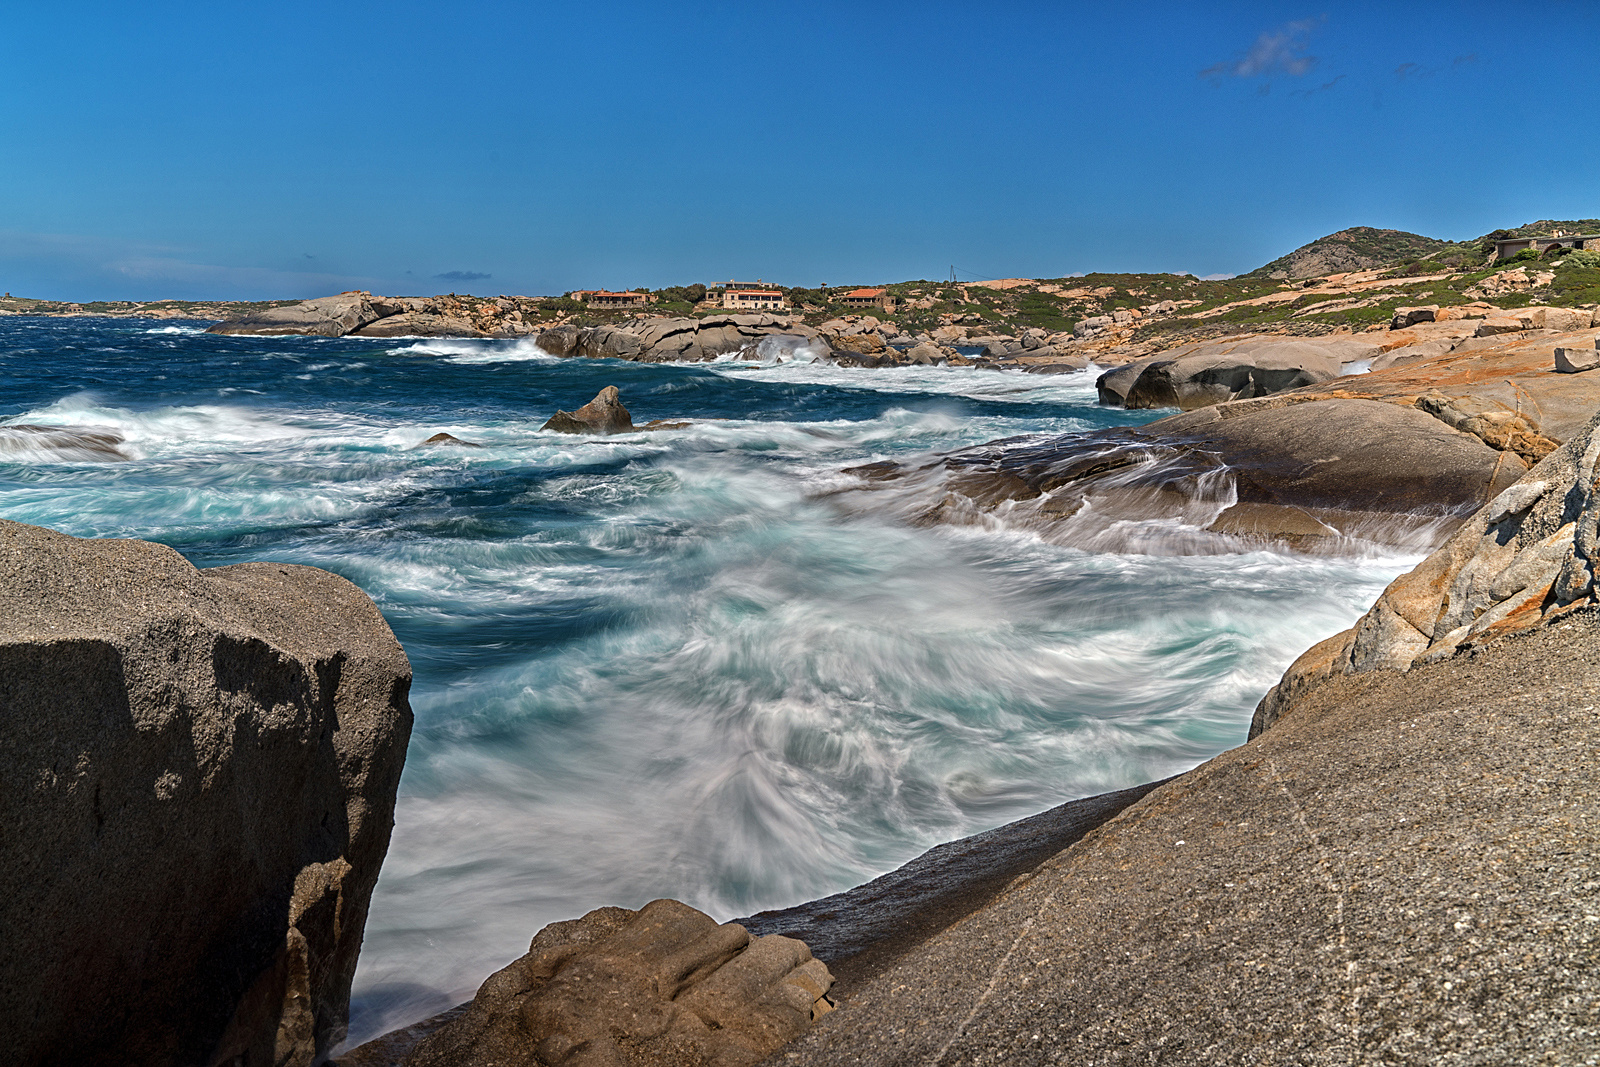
866	298
604	299
1512	245
752	297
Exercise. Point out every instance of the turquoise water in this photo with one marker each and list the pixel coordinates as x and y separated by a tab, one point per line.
667	664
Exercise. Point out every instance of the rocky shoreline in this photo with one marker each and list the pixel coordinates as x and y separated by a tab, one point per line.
1396	865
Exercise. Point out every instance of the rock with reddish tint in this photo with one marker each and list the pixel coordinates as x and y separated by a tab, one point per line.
1528	556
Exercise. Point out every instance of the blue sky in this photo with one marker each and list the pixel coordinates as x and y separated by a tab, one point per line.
200	150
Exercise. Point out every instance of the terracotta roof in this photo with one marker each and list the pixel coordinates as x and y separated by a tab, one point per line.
864	294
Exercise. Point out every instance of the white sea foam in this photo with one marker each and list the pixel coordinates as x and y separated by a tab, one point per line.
518	350
669	664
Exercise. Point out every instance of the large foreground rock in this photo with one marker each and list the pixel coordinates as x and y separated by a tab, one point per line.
197	781
664	986
1401	871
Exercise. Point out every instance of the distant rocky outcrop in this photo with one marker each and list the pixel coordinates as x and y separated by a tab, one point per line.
361	314
664	986
679	340
197	774
604	414
327	316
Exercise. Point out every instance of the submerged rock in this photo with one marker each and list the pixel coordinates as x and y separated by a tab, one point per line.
63	442
1271	469
663	986
448	440
198	774
603	414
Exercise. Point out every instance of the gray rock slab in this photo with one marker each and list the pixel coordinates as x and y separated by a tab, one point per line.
1403	870
327	316
1577	360
862	931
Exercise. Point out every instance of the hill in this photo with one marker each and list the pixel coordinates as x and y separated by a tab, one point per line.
1358	248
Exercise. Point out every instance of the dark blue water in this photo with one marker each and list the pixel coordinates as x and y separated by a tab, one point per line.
667	664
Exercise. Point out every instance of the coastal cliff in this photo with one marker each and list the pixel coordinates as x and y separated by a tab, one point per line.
199	771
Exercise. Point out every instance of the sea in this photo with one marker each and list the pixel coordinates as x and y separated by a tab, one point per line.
670	663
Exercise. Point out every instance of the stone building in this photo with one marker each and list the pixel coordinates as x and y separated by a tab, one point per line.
865	298
603	298
1512	245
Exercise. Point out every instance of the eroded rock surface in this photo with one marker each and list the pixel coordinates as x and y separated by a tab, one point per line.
1220	373
197	776
1310	474
664	986
1528	556
604	414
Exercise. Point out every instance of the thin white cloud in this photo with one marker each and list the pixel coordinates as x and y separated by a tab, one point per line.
1282	51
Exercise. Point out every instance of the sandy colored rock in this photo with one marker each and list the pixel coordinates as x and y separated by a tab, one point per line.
604	414
205	763
1577	360
664	986
1529	555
